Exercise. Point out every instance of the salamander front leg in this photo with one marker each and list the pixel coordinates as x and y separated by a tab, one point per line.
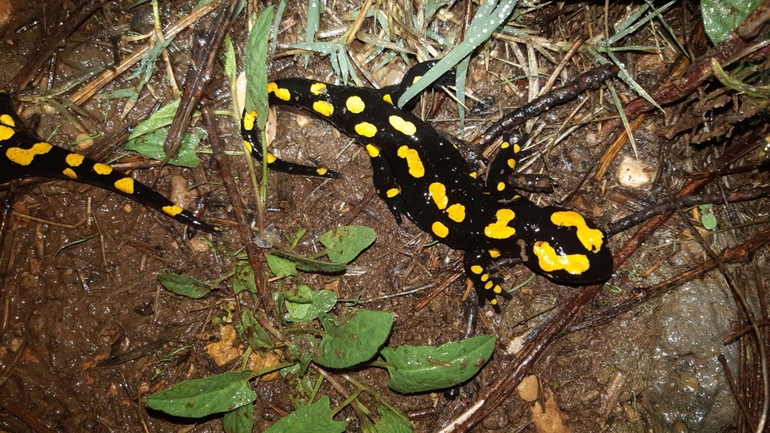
254	145
487	286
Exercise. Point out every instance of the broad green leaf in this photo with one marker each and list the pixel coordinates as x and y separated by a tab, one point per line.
228	53
309	265
310	305
256	70
281	267
244	278
345	243
316	418
427	368
159	119
251	331
151	146
354	339
721	17
240	420
198	398
184	285
392	422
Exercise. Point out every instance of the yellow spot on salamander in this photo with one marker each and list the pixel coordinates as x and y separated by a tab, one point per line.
489	285
516	148
355	104
456	212
497	289
416	168
403	126
74	159
126	185
592	239
282	94
473	174
493	302
70	173
270	158
511	163
25	156
248	120
476	269
505	145
388	99
549	260
6	127
372	150
439	229
484	277
416	79
500	229
437	192
366	129
248	147
494	253
321	171
172	210
318	89
102	169
323	108
393	192
500	186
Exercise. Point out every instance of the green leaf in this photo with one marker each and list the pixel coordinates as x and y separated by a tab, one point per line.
281	267
391	421
345	243
707	218
244	278
240	420
305	305
159	119
309	265
721	17
256	70
151	146
427	368
184	285
353	340
202	397
228	52
252	332
316	418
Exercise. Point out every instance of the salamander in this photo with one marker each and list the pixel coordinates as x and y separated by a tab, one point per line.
421	174
22	155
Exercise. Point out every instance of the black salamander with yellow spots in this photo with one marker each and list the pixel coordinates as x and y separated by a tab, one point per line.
422	175
23	155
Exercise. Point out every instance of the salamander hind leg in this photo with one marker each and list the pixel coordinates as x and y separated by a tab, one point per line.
253	143
385	183
502	166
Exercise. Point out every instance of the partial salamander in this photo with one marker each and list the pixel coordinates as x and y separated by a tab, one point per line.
24	156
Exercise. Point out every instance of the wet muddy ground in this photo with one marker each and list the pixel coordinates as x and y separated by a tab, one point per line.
87	331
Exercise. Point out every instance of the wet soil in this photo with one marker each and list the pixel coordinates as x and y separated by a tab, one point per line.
87	331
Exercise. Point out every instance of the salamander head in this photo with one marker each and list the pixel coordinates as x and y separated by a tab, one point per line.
568	249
